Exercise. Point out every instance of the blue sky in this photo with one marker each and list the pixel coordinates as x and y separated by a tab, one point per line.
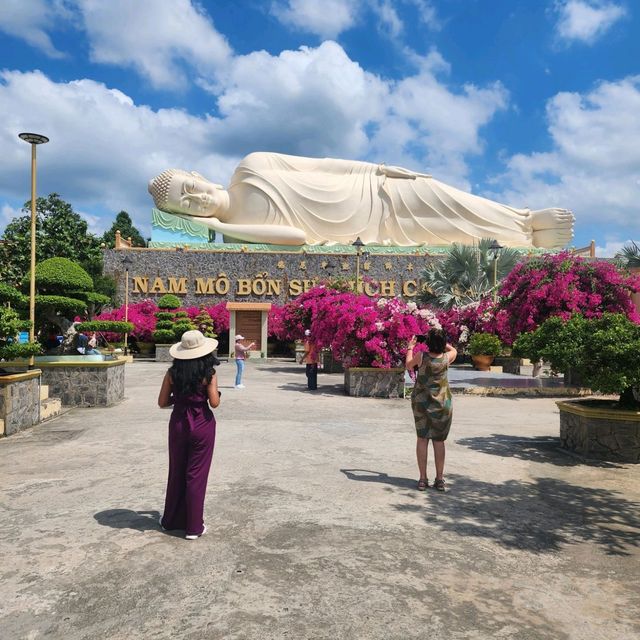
529	102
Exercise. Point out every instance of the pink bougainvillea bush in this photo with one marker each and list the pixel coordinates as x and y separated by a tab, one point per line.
360	331
561	285
460	323
142	315
219	316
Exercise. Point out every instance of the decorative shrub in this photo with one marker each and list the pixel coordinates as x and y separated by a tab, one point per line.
360	331
169	301
180	314
562	285
106	326
460	323
60	275
163	336
484	344
67	307
10	326
204	323
602	351
141	314
12	296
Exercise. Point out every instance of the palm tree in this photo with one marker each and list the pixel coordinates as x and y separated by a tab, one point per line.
630	254
466	274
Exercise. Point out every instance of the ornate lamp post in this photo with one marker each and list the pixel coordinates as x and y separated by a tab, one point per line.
358	244
495	247
127	262
33	139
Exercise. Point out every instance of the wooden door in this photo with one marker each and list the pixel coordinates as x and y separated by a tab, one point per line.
249	325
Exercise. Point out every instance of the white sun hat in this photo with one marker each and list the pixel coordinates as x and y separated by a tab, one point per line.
192	345
239	337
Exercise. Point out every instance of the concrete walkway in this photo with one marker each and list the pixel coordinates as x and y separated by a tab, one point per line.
315	528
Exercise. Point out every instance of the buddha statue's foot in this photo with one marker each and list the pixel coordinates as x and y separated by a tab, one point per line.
552	228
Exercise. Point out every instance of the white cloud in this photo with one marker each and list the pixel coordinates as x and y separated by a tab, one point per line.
307	102
162	39
586	20
611	248
103	148
593	166
8	213
29	20
389	20
327	19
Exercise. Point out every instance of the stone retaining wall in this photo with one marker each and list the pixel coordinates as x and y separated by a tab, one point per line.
600	433
78	385
19	401
370	382
162	353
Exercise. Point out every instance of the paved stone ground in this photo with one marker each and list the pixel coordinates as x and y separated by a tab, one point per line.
315	529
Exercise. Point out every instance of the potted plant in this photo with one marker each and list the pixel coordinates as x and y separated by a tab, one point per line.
484	347
604	354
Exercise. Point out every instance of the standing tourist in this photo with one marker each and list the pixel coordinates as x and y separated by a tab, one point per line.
191	386
431	401
310	357
241	353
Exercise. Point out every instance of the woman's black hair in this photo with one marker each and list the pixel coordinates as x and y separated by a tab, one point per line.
436	341
188	376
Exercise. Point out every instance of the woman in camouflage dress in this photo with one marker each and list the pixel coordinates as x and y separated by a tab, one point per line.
431	401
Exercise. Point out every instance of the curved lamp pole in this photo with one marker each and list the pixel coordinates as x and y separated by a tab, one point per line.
495	247
127	262
358	244
34	139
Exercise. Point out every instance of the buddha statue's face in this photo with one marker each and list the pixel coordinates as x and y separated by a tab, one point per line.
189	194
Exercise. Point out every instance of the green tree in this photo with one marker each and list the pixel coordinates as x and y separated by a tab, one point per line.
465	275
125	226
60	231
629	255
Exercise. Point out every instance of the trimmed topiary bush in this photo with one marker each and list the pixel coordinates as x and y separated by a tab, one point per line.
10	326
169	301
61	304
603	352
163	336
485	344
12	296
106	326
60	275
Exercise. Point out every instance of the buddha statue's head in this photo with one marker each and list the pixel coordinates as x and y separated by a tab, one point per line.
188	193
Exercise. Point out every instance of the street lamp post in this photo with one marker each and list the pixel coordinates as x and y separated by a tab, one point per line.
495	247
127	262
33	139
358	244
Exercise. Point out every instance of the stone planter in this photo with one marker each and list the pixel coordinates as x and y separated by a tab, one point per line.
162	353
329	363
371	382
482	362
19	401
596	429
80	381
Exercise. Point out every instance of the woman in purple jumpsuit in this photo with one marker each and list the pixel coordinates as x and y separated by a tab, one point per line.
191	386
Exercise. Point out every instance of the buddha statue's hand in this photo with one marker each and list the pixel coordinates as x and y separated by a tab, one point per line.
400	172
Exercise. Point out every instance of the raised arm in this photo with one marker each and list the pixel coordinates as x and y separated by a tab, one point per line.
267	233
412	360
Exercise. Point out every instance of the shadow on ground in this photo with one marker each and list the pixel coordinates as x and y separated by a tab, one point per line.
128	519
541	516
535	449
323	389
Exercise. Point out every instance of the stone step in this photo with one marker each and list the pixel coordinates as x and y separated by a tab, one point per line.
49	408
44	392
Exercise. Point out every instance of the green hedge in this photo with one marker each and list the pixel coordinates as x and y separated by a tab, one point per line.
92	297
484	344
17	350
106	326
66	306
169	301
163	336
12	295
61	274
164	315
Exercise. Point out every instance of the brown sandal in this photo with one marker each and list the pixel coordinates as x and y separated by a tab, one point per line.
438	485
422	484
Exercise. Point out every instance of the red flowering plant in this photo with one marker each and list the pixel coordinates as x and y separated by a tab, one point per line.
218	313
562	285
141	314
359	330
460	323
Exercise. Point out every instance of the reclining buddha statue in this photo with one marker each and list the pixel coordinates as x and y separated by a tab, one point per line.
290	200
